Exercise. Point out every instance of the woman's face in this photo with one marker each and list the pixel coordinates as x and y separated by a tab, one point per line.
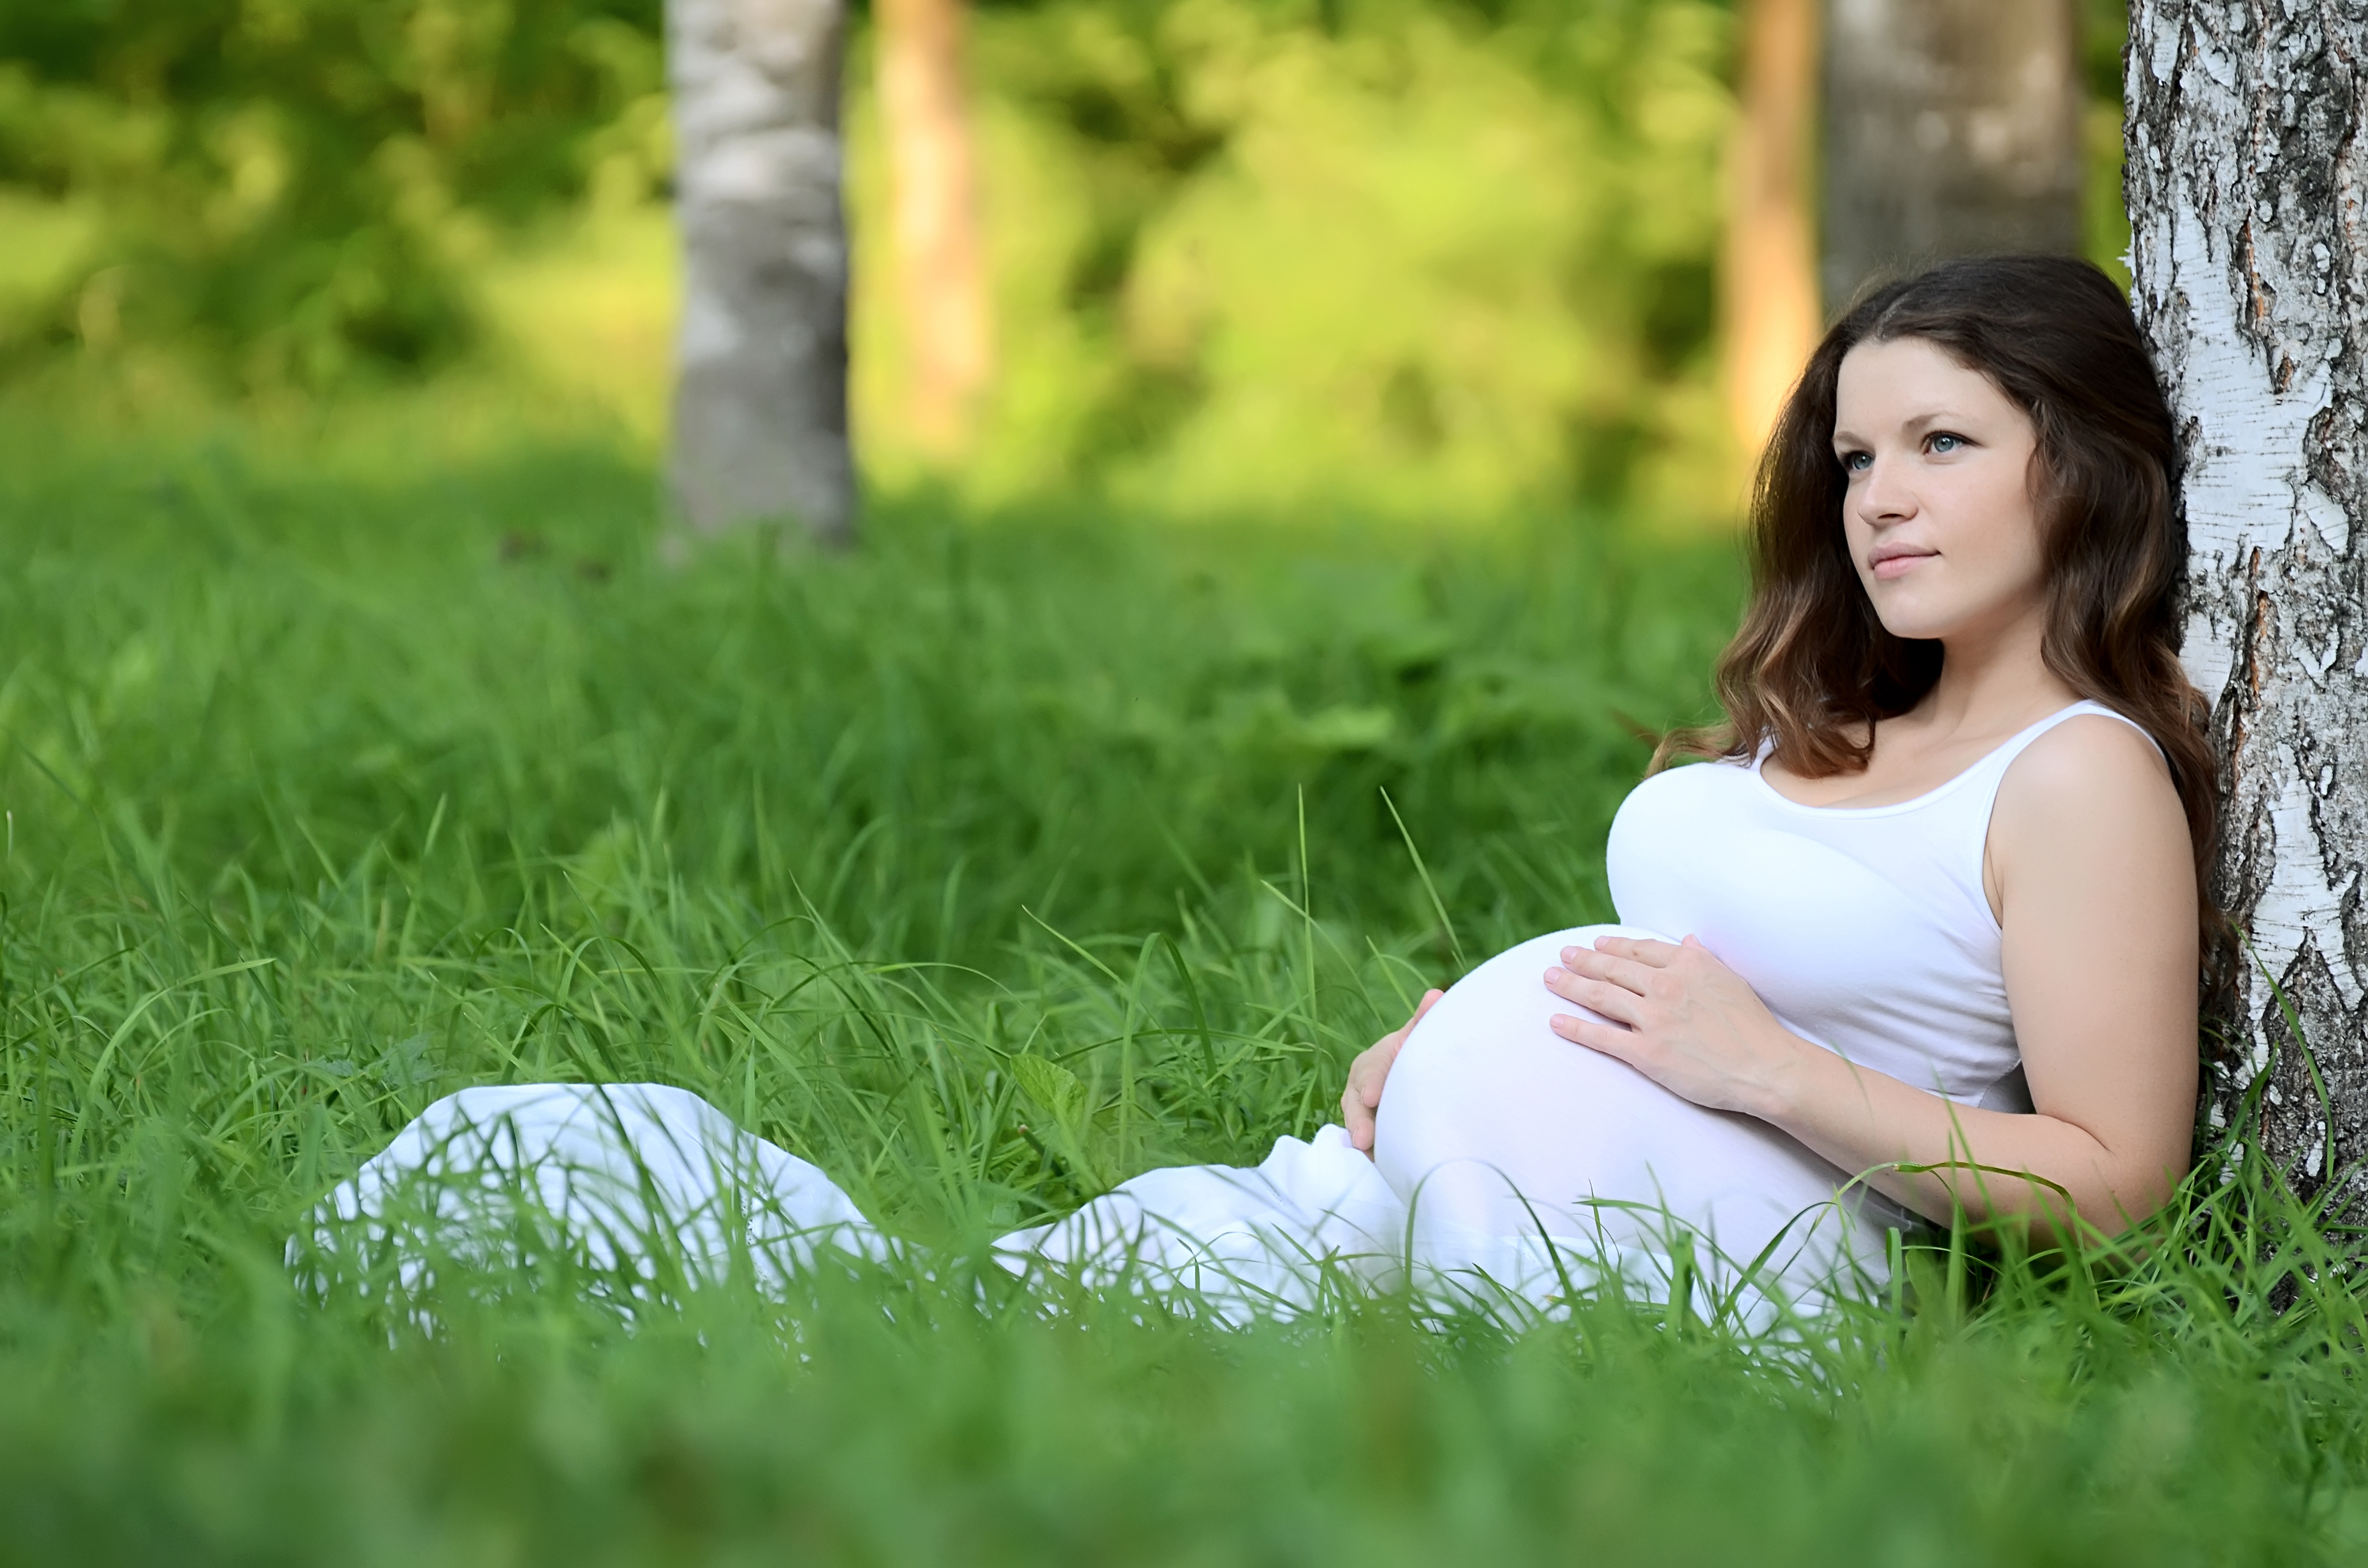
1938	516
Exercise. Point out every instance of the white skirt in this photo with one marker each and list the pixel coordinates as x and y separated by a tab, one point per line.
1510	1167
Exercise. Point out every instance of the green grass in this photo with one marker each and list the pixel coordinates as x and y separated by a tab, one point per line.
341	774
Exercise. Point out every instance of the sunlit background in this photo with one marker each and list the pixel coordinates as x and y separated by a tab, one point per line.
1440	258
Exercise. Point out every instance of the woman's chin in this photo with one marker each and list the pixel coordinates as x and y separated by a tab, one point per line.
1913	617
1926	607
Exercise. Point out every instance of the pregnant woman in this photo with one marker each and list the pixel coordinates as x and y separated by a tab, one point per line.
1916	932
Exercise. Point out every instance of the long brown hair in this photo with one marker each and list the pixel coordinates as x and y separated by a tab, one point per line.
1812	668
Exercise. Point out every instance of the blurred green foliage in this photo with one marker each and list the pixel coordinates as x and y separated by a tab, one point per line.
293	190
1413	256
1387	254
1404	254
2105	220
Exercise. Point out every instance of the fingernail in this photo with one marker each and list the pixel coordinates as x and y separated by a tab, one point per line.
1552	975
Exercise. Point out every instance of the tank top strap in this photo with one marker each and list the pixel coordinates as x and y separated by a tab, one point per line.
1971	793
1970	805
1999	761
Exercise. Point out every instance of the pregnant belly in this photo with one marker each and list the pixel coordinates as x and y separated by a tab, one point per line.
1493	1127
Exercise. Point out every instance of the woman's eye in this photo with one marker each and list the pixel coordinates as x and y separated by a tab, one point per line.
1944	442
1856	463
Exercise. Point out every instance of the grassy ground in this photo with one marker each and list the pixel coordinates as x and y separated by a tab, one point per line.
339	776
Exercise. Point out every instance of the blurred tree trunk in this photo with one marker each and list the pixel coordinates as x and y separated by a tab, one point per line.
760	398
934	197
1952	127
2248	164
1768	281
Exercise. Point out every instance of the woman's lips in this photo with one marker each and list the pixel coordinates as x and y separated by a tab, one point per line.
1898	562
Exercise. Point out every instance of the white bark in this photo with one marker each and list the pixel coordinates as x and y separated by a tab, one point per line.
2247	147
760	395
1953	127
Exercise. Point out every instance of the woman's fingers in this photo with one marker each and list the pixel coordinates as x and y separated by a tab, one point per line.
1637	949
1615	1002
1631	975
1362	1097
1609	1039
1358	1118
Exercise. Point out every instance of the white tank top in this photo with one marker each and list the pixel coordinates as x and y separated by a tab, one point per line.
1864	929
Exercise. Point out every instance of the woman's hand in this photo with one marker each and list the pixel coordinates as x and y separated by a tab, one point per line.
1695	1027
1362	1097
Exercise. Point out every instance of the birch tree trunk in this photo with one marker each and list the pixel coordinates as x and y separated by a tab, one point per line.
760	394
934	202
1953	127
1768	280
2248	164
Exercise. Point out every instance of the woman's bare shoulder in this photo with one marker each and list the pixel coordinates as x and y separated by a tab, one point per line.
2092	775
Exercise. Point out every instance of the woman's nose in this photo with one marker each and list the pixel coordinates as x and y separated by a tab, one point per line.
1883	493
